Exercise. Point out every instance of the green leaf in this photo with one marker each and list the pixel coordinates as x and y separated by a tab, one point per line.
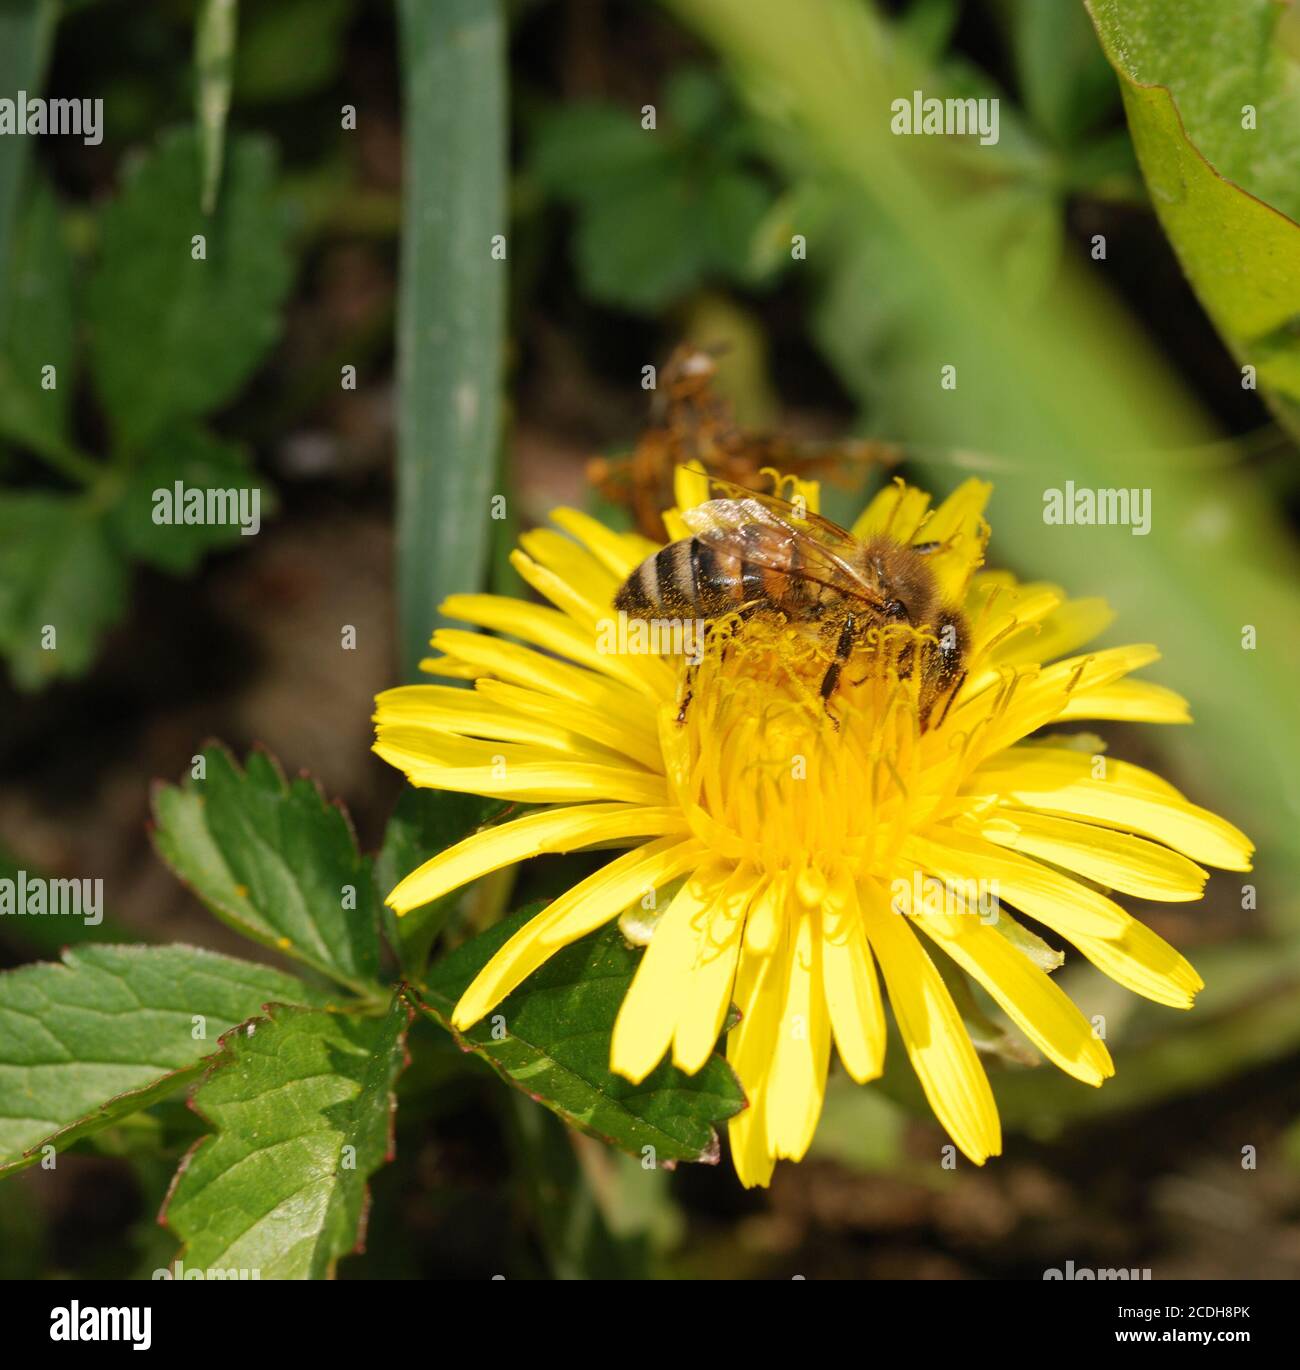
111	1030
927	27
639	248
1227	195
1063	78
303	1108
275	862
40	328
57	571
203	463
424	823
581	147
274	65
554	1045
174	337
659	211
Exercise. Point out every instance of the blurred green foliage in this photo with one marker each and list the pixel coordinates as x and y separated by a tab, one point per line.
661	207
179	308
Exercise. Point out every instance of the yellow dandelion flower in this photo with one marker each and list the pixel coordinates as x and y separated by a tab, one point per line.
794	839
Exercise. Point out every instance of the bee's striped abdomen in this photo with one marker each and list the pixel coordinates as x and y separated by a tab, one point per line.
686	579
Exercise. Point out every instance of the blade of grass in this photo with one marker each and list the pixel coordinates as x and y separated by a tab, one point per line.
26	28
214	70
451	309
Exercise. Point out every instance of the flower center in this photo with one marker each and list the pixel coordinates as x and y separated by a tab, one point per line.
768	772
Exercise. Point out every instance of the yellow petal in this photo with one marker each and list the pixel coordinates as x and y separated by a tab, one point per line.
895	511
1064	628
1144	962
578	912
853	996
1130	701
1116	943
554	830
1117	860
644	1028
1038	697
690	486
629	734
760	995
595	900
958	524
531	775
965	862
523	666
1030	998
796	1085
1131	798
704	995
443	708
936	1040
619	553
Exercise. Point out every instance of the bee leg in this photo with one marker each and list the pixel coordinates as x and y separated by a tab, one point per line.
952	694
686	698
843	650
829	682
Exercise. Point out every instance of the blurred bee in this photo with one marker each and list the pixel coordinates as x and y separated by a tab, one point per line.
751	553
692	425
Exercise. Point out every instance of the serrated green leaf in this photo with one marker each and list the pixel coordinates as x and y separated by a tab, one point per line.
200	462
303	1107
550	1038
171	336
424	823
274	861
58	571
110	1030
39	332
1226	195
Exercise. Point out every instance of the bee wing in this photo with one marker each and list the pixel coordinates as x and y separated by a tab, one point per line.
773	508
807	552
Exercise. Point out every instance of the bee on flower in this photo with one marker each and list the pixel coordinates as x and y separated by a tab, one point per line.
868	718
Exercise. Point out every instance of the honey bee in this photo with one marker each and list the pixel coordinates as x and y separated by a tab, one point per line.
751	553
691	424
